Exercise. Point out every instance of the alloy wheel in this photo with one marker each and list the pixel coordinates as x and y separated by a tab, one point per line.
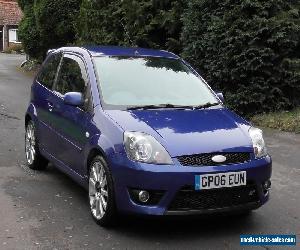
30	144
98	190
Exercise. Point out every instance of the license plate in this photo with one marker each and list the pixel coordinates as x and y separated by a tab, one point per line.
220	180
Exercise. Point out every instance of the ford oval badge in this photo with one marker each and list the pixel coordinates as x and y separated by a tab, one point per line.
218	158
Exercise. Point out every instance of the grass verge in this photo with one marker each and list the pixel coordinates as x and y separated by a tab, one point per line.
283	120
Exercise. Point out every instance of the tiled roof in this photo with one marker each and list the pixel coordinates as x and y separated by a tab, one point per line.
10	13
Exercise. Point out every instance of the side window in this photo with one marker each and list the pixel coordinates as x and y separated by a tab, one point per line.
72	76
48	71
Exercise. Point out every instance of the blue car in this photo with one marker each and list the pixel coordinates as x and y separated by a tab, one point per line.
144	134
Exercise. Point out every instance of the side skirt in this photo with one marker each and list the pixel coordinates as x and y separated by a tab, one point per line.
81	180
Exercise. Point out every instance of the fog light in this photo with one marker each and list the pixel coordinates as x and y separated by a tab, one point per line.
144	196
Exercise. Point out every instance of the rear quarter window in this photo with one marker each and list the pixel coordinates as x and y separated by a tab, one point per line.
47	74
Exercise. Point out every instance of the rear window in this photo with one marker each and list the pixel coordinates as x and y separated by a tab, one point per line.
48	71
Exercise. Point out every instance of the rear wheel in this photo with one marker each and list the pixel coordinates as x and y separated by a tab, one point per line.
101	193
33	157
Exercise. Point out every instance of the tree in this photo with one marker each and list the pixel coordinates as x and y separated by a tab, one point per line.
247	48
47	24
100	23
146	23
27	31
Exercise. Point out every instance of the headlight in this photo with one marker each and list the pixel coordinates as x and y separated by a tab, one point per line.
144	148
259	145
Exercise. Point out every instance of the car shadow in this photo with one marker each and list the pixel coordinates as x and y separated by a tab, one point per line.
187	226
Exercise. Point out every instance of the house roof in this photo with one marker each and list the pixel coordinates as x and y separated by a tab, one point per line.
10	13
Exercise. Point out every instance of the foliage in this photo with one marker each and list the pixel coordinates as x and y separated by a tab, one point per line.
94	26
284	120
31	67
47	24
55	22
28	32
14	49
249	49
146	23
24	3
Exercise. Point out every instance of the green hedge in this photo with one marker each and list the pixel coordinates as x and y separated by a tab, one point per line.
47	24
28	32
150	23
249	49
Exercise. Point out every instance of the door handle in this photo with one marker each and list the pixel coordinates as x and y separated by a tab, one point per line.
50	106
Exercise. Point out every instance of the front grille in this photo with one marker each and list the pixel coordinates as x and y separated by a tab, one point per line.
189	199
206	159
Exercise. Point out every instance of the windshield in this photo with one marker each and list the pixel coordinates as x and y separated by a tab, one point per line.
142	81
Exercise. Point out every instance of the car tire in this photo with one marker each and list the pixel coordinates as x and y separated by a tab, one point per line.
101	193
34	159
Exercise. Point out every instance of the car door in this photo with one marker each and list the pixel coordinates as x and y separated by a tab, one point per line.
70	122
42	93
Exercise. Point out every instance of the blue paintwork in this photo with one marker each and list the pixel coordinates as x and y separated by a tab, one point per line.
181	132
73	98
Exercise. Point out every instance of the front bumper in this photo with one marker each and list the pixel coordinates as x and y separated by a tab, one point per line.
170	179
248	206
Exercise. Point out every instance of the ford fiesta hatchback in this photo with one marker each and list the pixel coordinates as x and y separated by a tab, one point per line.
144	134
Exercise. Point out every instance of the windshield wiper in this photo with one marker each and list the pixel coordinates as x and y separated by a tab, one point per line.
160	106
172	106
206	105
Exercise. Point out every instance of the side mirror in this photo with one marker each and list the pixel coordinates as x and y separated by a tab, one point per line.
220	96
73	99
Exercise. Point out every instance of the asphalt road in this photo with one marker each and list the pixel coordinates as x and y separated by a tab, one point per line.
47	210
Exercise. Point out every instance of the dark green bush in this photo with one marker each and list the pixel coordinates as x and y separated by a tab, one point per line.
100	23
249	49
28	32
47	24
24	3
145	23
55	22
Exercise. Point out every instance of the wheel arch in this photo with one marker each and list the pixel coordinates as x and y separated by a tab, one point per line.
31	114
92	154
27	119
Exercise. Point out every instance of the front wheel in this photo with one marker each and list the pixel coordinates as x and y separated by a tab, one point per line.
33	157
101	193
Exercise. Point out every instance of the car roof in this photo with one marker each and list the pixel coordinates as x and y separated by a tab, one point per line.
120	51
127	51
